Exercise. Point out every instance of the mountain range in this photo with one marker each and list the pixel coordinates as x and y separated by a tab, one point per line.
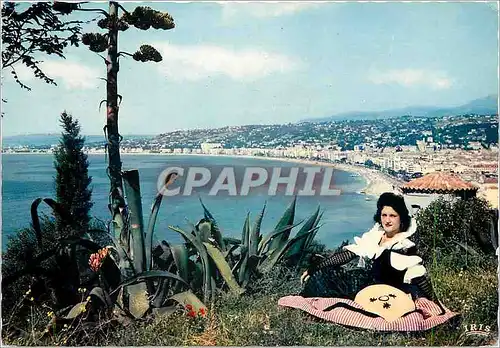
483	106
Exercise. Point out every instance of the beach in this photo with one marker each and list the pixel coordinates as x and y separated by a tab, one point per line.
376	181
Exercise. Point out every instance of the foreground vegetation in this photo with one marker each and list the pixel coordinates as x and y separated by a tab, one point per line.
257	320
466	281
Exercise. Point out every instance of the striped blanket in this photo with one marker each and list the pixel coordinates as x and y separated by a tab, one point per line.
347	312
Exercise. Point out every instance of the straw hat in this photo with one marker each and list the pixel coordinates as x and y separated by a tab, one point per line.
386	301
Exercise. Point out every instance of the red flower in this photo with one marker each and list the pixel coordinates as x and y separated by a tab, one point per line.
202	312
97	258
191	314
189	307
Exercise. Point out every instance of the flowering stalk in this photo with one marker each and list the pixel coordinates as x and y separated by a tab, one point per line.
96	259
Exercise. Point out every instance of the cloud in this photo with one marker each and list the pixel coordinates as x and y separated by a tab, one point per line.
264	9
205	61
71	75
412	77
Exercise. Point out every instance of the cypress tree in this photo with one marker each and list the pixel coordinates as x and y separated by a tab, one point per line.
72	179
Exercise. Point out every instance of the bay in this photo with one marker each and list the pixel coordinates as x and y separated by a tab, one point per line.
26	177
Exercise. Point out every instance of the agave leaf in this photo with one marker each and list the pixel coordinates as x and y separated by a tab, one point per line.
152	219
191	225
265	241
138	303
187	298
240	264
242	271
119	298
299	247
246	231
56	207
277	254
255	233
133	192
124	263
161	292
197	281
311	237
181	259
229	252
77	310
206	212
150	231
102	295
216	233
165	311
251	267
148	275
224	268
286	220
119	231
204	259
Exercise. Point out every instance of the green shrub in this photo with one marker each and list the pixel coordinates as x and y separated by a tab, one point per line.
458	233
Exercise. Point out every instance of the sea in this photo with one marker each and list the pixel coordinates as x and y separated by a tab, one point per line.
26	177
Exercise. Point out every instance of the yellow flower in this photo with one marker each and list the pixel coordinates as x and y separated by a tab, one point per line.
28	292
32	299
50	314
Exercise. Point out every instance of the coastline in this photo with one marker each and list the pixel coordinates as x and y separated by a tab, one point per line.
376	182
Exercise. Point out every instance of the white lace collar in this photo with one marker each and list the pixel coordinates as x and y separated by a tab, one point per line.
368	244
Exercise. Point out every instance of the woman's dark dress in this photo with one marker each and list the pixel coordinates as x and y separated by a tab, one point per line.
342	276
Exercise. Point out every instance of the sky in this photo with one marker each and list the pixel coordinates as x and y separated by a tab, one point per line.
232	63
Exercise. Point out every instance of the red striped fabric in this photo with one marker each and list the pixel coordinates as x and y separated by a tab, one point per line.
426	317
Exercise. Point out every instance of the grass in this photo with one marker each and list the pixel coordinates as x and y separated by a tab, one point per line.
257	320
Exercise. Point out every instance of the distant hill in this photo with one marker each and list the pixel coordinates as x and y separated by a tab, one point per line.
485	106
53	139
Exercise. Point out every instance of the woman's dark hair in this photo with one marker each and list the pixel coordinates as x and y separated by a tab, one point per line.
397	203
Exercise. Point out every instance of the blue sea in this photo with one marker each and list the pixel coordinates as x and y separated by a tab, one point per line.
29	176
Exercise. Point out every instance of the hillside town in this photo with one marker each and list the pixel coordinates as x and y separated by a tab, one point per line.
404	147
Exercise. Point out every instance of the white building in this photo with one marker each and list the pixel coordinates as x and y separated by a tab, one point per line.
206	147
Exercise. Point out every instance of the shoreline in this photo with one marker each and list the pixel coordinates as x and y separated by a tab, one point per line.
376	182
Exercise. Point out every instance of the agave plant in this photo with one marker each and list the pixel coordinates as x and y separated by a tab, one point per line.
129	276
143	274
63	251
231	262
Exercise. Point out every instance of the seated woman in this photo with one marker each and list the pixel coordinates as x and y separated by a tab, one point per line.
392	258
